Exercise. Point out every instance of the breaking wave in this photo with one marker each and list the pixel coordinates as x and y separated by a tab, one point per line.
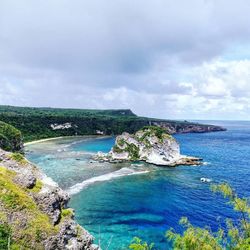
106	177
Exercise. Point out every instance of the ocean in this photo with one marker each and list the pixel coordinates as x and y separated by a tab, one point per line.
116	202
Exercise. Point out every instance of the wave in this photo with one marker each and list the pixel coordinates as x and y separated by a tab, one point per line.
106	177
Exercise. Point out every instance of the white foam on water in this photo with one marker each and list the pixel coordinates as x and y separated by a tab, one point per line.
106	177
206	163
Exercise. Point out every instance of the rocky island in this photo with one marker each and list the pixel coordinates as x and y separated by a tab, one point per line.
151	144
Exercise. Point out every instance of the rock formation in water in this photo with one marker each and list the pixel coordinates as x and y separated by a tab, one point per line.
33	210
151	144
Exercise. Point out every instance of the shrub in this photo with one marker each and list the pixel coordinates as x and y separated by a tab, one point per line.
67	213
117	150
18	157
235	237
5	236
38	186
137	244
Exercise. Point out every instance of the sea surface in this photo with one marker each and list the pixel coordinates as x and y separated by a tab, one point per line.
116	202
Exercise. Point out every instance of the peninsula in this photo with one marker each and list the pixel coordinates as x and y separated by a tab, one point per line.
41	123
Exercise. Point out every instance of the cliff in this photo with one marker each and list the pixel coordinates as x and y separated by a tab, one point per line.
40	123
151	144
33	210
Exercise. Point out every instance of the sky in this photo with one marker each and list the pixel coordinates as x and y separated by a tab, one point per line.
173	59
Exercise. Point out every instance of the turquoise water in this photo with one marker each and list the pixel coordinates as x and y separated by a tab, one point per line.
116	207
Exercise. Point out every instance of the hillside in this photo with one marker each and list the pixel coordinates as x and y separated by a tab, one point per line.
10	138
38	123
33	210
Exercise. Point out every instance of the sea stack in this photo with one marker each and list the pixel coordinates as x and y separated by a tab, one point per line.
151	144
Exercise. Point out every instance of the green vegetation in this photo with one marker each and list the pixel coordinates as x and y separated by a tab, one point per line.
117	150
121	142
11	195
133	151
137	244
154	130
5	235
15	200
35	123
142	136
131	148
67	213
235	237
160	133
19	158
10	137
37	188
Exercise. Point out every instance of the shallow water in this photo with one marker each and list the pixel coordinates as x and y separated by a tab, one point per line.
116	207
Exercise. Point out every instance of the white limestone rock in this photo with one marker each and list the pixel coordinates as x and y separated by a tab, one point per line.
150	144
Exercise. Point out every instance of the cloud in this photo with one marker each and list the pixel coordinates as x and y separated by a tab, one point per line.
161	58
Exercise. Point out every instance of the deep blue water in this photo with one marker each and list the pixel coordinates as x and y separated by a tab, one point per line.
146	205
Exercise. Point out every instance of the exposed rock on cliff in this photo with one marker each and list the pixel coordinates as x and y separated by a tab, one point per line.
174	127
151	144
33	209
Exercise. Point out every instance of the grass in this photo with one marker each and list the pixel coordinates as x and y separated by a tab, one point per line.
67	213
19	158
38	187
11	195
16	199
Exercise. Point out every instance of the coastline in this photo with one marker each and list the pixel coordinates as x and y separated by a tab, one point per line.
43	140
62	137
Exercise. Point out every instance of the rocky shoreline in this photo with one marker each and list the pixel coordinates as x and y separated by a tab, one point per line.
44	214
187	127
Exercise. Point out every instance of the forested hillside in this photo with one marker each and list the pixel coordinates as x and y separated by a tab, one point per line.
10	137
38	123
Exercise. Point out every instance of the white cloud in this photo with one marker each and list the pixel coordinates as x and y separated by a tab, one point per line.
161	58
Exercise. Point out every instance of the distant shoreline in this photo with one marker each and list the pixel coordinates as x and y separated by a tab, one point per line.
43	140
62	137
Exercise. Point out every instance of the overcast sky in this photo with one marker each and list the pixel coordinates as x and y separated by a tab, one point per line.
161	58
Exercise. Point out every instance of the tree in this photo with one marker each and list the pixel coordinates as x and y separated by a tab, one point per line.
137	244
236	235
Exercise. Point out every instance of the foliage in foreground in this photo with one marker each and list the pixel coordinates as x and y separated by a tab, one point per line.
16	200
236	236
137	244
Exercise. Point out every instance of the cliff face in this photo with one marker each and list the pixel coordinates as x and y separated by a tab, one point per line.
33	210
40	123
186	127
150	144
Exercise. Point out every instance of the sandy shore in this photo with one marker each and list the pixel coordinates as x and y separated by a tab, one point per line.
61	137
43	140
